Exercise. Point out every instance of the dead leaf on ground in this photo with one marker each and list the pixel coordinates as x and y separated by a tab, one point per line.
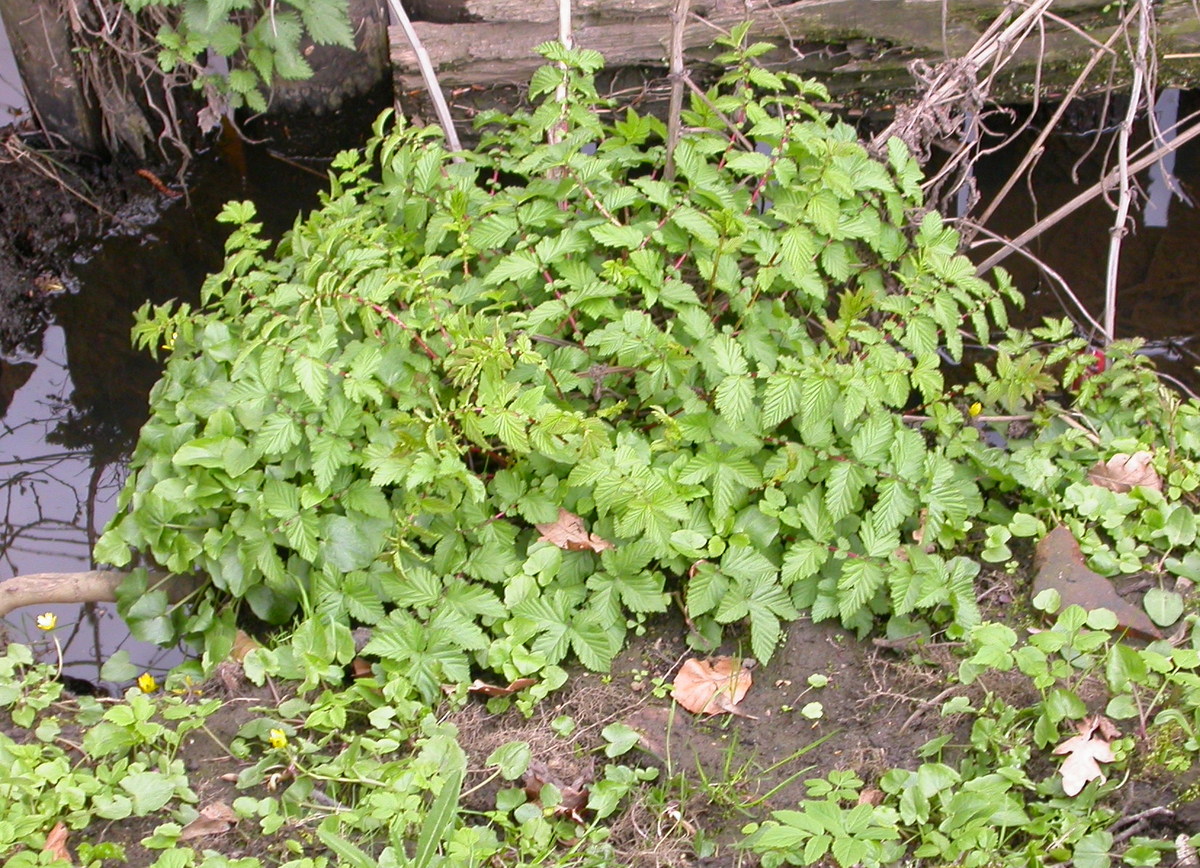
573	797
569	533
56	843
242	645
1123	472
214	819
1085	752
485	689
712	687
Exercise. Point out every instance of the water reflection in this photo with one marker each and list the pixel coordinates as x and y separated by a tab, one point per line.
56	495
71	414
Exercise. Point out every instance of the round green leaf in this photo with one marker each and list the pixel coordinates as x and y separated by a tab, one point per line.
620	737
1164	607
1048	601
512	759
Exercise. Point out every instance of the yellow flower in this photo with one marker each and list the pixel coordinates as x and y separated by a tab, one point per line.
975	409
147	683
47	621
278	739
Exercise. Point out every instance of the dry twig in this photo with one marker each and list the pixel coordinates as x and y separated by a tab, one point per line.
430	77
674	119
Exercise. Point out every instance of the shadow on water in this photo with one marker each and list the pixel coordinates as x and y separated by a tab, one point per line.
70	416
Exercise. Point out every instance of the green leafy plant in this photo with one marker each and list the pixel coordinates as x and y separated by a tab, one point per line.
260	41
981	803
708	371
125	766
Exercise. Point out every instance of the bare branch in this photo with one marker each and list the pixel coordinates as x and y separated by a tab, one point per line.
427	73
674	119
1102	186
91	586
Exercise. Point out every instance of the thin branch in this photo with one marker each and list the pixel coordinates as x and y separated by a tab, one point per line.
555	133
91	586
674	119
429	76
1125	193
1055	277
1035	150
733	128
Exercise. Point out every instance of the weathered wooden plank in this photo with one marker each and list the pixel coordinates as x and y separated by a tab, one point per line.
883	35
464	11
495	52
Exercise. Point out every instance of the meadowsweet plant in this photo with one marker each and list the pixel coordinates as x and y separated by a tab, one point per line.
709	370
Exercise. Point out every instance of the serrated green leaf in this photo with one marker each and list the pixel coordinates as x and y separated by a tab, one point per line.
860	580
734	398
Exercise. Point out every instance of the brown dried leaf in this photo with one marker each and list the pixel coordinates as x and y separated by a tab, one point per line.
485	689
573	797
1122	472
1085	752
242	645
1060	566
569	533
214	819
56	843
712	687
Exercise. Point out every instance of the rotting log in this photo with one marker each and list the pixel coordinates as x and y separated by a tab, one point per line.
89	586
848	44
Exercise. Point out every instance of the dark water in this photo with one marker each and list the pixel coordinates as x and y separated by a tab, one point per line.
72	413
1158	286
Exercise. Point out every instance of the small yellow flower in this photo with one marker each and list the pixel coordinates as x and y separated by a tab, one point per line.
47	621
278	739
975	409
147	683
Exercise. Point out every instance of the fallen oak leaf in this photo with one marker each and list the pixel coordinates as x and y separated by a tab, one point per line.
56	843
568	532
1085	752
1124	472
716	687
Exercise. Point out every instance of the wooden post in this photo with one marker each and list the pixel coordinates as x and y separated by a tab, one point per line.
41	41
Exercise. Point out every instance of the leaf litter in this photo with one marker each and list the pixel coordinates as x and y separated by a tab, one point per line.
214	819
1085	752
1061	567
1124	472
712	686
569	532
